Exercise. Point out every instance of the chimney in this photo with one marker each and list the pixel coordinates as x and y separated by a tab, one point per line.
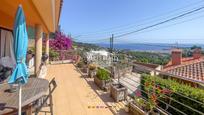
197	53
176	56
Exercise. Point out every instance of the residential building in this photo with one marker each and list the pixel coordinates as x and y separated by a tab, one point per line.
101	57
143	67
188	68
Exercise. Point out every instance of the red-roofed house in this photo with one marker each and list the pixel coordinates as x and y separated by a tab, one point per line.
191	68
151	67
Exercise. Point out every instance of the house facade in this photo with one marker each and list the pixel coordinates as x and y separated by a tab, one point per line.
101	57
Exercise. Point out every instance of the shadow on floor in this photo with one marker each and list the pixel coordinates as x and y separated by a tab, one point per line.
104	96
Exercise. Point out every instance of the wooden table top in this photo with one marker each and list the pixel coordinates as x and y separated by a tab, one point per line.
33	90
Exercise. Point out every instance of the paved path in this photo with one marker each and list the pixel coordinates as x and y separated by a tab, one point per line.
76	95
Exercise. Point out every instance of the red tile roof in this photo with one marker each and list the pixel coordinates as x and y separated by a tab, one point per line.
190	68
184	61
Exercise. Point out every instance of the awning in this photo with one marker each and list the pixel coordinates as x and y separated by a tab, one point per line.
43	12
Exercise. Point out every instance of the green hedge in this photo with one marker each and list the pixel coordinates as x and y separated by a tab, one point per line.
102	74
175	88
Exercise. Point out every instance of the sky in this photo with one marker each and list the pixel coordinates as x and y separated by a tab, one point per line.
94	21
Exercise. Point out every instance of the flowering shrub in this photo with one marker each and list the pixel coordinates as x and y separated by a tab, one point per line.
60	47
61	42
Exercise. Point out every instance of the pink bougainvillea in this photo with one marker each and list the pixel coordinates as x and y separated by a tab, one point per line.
60	47
61	42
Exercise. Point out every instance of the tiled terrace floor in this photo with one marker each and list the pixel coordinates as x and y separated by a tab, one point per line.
77	95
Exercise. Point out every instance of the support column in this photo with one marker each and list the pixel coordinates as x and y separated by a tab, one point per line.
38	48
47	47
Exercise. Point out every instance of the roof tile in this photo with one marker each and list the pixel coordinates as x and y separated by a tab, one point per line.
192	69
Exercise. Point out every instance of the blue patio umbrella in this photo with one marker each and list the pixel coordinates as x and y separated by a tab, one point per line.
20	72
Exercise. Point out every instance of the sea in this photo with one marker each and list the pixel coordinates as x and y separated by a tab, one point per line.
149	47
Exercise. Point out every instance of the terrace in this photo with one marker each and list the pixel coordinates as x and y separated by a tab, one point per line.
77	95
86	88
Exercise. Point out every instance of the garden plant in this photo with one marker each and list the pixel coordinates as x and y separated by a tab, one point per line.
160	92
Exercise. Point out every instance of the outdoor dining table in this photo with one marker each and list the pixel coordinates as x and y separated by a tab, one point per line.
32	91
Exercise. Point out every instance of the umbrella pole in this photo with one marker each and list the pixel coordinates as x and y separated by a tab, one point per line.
19	100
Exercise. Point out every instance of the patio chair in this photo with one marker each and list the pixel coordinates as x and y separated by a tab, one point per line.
47	101
4	73
44	58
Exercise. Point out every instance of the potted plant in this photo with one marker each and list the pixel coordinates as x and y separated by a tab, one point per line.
85	69
92	70
118	92
80	64
102	79
137	107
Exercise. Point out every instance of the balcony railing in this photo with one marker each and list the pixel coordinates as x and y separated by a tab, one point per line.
168	102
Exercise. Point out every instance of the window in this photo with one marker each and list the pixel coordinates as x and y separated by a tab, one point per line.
7	58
